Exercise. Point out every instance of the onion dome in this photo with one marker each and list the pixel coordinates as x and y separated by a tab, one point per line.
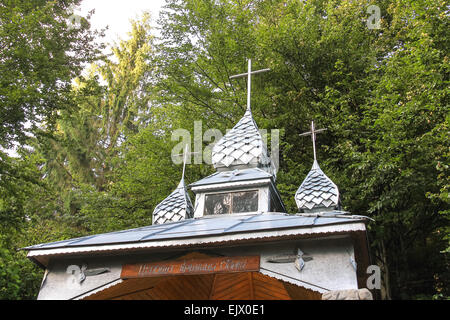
176	207
242	147
317	192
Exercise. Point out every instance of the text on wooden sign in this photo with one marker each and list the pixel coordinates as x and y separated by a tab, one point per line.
193	266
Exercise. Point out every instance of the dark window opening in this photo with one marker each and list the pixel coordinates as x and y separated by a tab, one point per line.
235	202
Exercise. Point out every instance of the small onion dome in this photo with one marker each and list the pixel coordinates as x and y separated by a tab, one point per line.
177	206
317	192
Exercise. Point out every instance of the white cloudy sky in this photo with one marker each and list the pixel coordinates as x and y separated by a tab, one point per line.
117	14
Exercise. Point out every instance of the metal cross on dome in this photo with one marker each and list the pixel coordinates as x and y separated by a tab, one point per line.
248	74
313	136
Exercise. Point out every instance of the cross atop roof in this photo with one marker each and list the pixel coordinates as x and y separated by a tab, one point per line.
313	137
248	74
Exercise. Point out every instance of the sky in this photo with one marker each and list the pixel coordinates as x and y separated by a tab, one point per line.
117	14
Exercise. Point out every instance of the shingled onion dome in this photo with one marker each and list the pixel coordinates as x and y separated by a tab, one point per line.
176	207
242	147
317	192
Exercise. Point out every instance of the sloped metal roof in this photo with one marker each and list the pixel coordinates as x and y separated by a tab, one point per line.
242	145
317	191
233	176
219	226
177	206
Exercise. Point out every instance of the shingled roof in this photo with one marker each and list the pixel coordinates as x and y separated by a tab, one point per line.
242	146
176	207
317	191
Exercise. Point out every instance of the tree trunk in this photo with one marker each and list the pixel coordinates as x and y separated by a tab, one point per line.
385	283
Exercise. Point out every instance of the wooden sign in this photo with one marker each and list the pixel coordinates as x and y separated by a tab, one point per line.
191	267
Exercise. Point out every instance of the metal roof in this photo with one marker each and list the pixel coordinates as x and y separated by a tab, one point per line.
242	145
317	191
217	226
233	176
176	207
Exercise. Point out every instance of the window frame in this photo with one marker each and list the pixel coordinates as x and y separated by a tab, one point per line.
231	205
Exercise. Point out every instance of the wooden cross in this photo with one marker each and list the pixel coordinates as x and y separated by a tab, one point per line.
248	74
313	136
185	154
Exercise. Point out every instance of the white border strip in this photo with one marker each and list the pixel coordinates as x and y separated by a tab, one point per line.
244	183
291	280
99	289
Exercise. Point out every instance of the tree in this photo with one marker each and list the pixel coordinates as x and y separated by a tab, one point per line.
82	153
20	185
407	149
40	56
87	136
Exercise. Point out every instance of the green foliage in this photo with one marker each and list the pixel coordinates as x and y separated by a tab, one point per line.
19	279
9	274
22	196
87	137
39	58
382	94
